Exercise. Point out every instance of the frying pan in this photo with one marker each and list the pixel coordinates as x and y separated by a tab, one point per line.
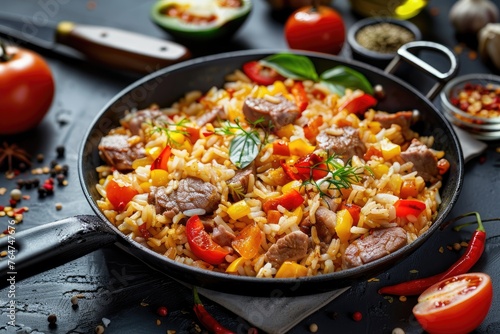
67	239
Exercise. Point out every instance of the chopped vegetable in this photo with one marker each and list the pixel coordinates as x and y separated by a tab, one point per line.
291	269
405	207
206	319
248	241
238	210
162	161
261	74
344	224
300	95
290	201
201	242
358	103
119	195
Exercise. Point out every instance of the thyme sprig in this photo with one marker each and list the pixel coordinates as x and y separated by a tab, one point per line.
169	129
338	176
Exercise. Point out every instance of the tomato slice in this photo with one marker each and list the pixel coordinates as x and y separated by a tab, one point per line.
261	74
119	195
455	305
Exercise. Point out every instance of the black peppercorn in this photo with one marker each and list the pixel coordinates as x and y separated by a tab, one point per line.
60	151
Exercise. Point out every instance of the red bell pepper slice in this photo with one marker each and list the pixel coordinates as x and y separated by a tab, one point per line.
358	103
311	166
300	95
405	207
280	147
201	242
288	170
144	231
162	161
193	134
289	200
311	129
261	74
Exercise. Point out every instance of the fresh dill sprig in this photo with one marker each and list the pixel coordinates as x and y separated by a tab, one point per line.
170	128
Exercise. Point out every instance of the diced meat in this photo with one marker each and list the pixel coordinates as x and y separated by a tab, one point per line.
326	220
119	153
210	116
402	118
280	112
222	235
192	193
291	247
346	145
423	159
238	184
134	121
374	246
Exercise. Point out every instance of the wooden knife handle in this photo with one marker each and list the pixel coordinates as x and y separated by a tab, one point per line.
120	49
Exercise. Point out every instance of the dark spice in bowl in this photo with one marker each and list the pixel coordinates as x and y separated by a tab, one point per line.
384	37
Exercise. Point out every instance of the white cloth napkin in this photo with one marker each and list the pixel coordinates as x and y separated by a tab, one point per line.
471	147
272	315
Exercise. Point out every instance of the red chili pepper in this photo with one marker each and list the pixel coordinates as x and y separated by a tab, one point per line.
162	161
201	242
358	103
405	207
206	319
300	95
261	74
311	166
289	200
471	255
280	147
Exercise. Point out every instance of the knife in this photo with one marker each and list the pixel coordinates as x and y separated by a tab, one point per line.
111	47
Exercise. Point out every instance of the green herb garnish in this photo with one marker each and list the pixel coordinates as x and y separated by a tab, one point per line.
169	128
299	67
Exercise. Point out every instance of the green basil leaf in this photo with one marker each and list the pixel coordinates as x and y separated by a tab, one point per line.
244	148
337	89
292	66
347	78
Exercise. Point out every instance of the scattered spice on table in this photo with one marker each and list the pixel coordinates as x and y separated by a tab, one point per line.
13	152
313	328
384	37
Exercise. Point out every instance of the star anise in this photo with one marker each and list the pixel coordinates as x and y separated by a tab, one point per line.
13	152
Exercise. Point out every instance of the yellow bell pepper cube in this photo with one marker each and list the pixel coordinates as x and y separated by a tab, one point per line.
279	87
300	147
159	177
344	224
389	149
380	170
299	213
262	91
154	151
176	138
238	210
141	162
291	269
145	186
295	184
285	131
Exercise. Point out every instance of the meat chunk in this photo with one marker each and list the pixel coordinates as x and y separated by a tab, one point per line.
402	118
119	153
210	116
291	247
374	246
326	220
222	235
134	121
238	184
423	159
280	112
347	144
192	193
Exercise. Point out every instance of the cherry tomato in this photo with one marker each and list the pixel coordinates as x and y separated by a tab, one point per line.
27	89
119	195
455	305
312	28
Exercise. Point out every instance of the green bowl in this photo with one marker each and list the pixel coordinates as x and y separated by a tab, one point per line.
218	21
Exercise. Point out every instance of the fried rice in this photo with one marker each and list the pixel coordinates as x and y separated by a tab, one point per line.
375	185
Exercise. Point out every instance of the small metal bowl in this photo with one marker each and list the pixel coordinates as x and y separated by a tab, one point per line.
371	57
483	128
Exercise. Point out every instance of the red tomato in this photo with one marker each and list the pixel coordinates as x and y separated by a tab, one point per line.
455	305
318	29
118	195
27	89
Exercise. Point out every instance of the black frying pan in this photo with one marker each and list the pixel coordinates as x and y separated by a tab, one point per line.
70	238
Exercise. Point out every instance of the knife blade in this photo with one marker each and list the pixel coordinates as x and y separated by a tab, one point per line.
111	47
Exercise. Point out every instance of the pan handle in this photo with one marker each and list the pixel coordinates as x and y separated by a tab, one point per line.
404	53
43	247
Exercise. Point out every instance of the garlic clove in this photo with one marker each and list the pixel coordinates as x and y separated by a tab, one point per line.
469	16
489	43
